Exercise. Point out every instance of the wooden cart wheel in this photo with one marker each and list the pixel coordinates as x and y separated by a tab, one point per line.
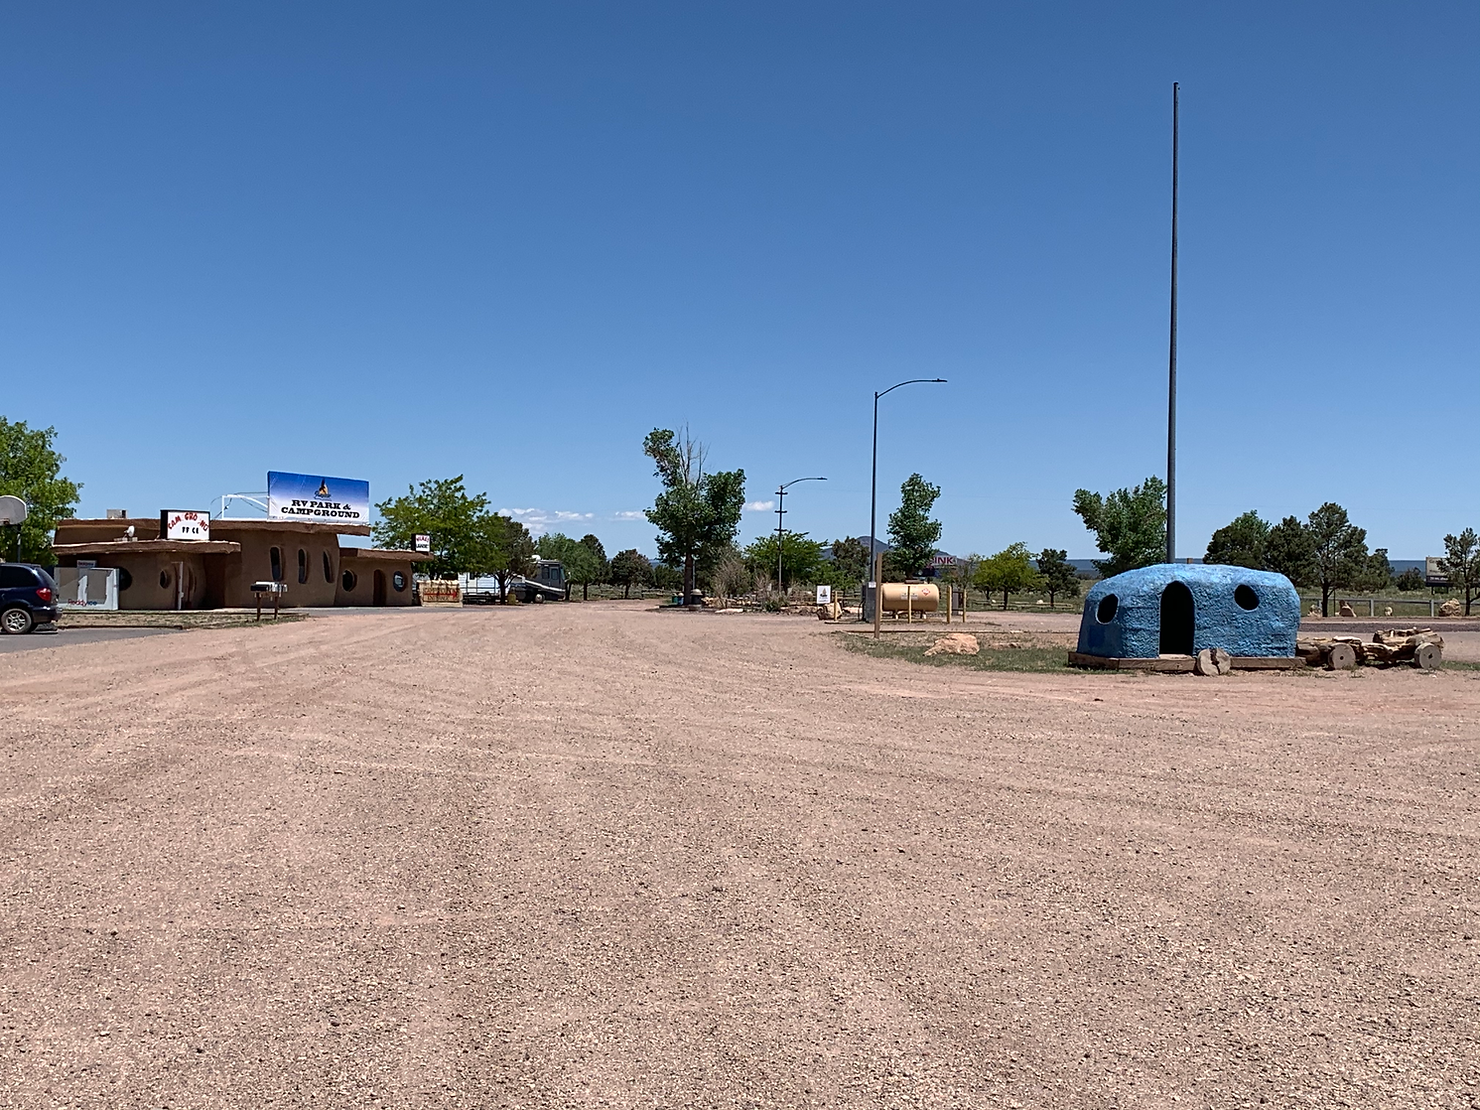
1427	657
1222	661
1343	657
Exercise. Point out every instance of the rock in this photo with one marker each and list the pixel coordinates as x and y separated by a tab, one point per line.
955	643
1387	610
830	612
1212	661
1451	608
1347	610
1315	611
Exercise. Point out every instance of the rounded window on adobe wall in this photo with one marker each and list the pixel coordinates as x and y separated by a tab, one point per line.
347	580
1246	597
125	579
398	580
165	578
1105	612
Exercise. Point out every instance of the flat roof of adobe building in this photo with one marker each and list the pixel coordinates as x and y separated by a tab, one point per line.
384	554
146	547
234	524
226	524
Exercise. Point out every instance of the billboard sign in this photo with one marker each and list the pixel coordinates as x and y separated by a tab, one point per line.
1435	572
184	524
317	499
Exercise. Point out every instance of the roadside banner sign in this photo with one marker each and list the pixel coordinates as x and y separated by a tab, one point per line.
315	498
824	595
184	524
423	542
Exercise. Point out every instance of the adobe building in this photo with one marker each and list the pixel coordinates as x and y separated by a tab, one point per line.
1183	608
218	573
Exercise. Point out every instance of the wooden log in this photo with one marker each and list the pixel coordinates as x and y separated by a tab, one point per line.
1376	653
1394	635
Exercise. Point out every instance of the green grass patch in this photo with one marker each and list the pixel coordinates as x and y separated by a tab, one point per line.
1027	658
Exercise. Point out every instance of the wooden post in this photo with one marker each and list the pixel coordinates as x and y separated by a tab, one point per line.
950	597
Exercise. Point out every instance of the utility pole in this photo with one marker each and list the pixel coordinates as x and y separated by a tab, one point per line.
780	516
1172	361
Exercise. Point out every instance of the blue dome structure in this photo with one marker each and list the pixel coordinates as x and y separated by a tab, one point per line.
1182	608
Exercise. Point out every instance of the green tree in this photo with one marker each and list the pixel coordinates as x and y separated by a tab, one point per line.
505	550
801	558
697	514
31	469
1240	543
1410	580
1339	551
582	564
1058	574
456	521
1289	550
667	578
1462	564
630	568
1130	525
1010	571
912	534
1376	574
603	567
850	562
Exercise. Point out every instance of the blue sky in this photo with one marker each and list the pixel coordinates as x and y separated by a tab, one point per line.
401	242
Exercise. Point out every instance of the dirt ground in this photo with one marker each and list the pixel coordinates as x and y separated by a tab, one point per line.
599	856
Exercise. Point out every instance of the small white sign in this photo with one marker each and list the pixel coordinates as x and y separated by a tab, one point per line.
187	524
824	595
423	543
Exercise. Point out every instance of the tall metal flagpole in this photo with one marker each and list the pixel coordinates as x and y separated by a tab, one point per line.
1172	362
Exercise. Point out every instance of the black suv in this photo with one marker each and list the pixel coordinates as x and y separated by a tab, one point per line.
28	597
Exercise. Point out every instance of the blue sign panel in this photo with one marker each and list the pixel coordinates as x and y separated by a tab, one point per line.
313	497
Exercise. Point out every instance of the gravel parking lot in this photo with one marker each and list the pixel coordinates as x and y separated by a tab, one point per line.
599	856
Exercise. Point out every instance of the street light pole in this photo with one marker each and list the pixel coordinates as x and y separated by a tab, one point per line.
1172	361
873	488
780	513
